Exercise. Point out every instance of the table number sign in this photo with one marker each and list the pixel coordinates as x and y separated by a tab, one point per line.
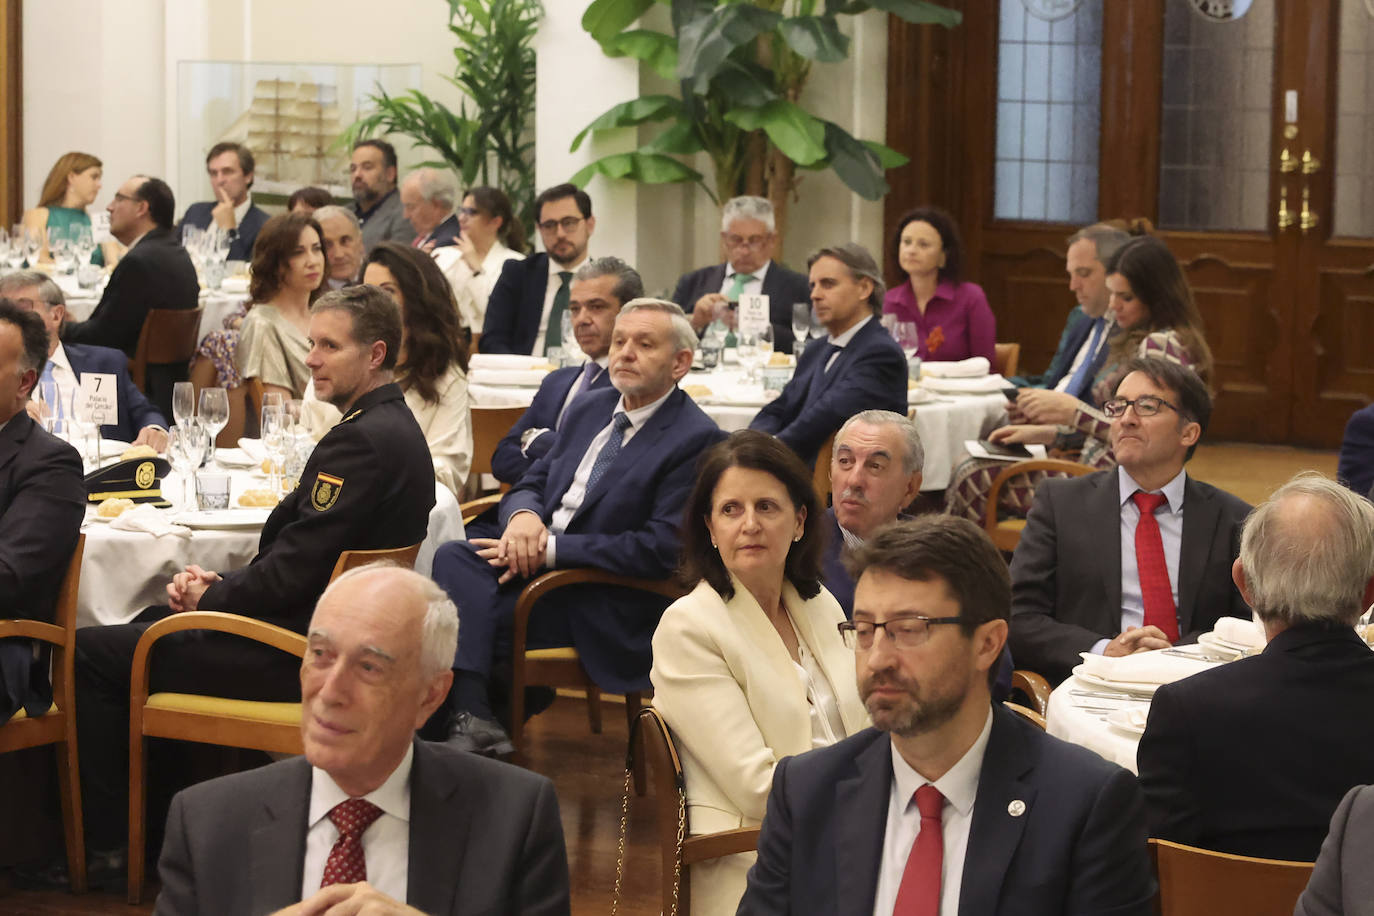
97	400
753	314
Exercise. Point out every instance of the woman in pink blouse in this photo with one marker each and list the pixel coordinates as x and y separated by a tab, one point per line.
952	318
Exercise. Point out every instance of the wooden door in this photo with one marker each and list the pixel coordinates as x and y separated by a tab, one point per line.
1124	108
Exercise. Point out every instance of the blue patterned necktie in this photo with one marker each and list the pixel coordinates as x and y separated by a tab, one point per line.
610	450
56	405
1081	377
591	371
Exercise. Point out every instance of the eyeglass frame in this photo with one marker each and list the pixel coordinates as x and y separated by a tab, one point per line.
470	212
1127	403
567	224
753	242
847	627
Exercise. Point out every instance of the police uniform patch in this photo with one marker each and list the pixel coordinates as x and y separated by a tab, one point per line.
326	491
145	476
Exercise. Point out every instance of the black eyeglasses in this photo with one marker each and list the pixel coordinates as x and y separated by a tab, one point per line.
905	632
469	212
568	224
1147	405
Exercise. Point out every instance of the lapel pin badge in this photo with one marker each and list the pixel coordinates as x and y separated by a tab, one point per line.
1016	807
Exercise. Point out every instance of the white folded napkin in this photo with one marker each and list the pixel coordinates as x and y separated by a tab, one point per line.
235	458
254	449
987	384
1143	667
149	520
505	361
234	285
1241	632
529	377
973	367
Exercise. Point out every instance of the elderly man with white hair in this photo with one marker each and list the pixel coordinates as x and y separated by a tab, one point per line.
1253	757
428	199
748	238
370	819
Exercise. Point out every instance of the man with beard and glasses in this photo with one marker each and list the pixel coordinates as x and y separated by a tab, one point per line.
376	202
884	822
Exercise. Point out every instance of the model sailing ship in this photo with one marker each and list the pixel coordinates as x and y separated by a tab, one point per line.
291	127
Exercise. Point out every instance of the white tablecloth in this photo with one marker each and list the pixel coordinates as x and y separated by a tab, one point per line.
217	306
943	422
1082	720
123	572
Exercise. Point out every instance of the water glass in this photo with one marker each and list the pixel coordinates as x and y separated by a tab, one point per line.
214	412
183	402
212	491
274	441
185	449
750	350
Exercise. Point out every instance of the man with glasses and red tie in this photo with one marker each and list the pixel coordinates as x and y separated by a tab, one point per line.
747	234
1133	558
525	311
950	803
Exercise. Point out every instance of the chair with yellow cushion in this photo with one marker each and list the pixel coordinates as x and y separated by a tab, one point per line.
1006	534
57	726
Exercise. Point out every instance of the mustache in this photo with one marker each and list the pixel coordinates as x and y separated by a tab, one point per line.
851	493
887	679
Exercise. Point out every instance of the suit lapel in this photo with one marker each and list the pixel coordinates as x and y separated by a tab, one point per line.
995	832
1200	515
13	436
438	834
279	838
650	437
861	805
1105	523
580	426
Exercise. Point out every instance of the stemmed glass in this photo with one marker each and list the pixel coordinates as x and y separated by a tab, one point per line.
274	441
14	257
908	337
214	413
801	327
183	402
60	248
49	405
33	243
750	349
185	450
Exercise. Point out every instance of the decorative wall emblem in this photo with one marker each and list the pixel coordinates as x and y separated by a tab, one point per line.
1050	10
1226	10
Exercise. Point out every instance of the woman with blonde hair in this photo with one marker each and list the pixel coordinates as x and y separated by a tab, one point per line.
72	185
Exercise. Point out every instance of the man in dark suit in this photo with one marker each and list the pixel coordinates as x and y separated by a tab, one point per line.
609	495
138	421
156	273
857	367
230	166
1356	465
525	311
1088	576
428	197
950	803
748	236
433	830
1227	758
343	245
377	205
369	485
42	504
599	288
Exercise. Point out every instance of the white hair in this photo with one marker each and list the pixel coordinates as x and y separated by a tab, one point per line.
914	458
439	629
436	185
685	336
324	213
747	207
1308	553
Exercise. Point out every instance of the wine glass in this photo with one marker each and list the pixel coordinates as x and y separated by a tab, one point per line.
749	348
49	405
83	243
801	326
274	440
183	402
33	243
185	450
214	413
908	337
14	257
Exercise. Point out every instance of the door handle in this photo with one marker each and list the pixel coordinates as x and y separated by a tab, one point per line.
1308	218
1286	162
1285	214
1310	163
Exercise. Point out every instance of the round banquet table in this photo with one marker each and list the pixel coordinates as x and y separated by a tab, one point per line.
944	421
1082	720
123	572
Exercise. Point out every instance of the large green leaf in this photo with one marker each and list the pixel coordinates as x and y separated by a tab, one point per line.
744	85
656	49
706	42
686	11
815	38
629	114
855	163
648	168
888	157
799	135
681	139
919	12
605	19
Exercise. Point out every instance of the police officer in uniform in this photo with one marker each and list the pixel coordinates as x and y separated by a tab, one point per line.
368	485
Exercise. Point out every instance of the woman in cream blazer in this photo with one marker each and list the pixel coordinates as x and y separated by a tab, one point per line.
739	686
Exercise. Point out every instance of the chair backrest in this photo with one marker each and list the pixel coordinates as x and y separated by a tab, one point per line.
1035	687
1007	540
168	336
1025	712
820	477
352	559
1006	358
489	425
1200	882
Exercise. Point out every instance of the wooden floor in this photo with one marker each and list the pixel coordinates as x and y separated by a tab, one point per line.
587	769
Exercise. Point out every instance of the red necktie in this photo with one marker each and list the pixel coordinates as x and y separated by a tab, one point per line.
1155	591
346	864
919	893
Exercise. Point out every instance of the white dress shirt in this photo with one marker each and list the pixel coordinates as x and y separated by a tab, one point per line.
386	844
843	340
549	292
827	726
959	786
1086	351
240	211
67	382
752	287
472	290
1170	519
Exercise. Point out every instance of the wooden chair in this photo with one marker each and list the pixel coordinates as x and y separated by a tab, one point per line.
204	375
679	851
1007	534
820	477
169	336
1200	882
1035	687
562	667
489	425
257	725
58	725
475	507
1006	359
1025	712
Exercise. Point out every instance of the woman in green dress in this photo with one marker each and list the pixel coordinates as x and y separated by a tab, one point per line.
71	186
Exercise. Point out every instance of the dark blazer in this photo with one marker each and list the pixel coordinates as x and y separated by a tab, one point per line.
782	287
516	305
508	465
42	504
484	838
135	412
446	233
837	579
201	215
1342	883
1066	572
1356	466
387	491
157	273
1253	757
1070	339
869	373
1078	847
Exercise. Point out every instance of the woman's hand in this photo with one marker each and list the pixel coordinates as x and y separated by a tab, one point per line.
1041	405
1024	435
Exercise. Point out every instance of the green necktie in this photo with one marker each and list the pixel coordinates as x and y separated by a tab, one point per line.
738	287
553	336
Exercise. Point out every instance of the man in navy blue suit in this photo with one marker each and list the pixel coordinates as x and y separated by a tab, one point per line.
139	421
1356	466
950	803
857	367
599	288
525	311
609	495
231	176
428	197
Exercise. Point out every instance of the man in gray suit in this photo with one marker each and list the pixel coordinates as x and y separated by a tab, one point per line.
443	831
1342	883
